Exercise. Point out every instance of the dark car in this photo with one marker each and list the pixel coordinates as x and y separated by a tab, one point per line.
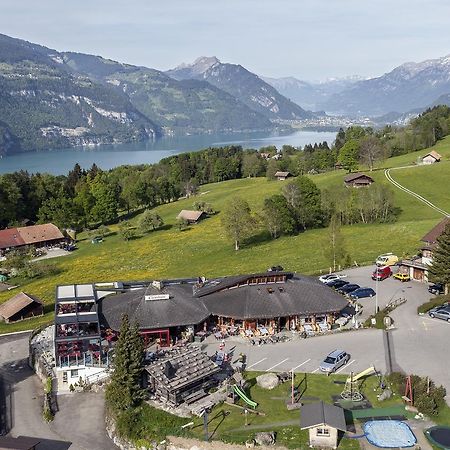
362	293
348	288
275	269
336	284
436	289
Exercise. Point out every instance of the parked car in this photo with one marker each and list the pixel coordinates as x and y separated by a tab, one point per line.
337	283
275	269
335	360
381	273
387	259
362	293
436	289
329	277
402	276
440	312
348	288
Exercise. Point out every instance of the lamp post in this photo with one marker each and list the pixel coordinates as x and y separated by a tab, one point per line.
376	291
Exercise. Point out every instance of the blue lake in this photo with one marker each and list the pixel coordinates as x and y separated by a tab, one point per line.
108	156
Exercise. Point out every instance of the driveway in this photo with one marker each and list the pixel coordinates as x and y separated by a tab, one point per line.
79	425
416	344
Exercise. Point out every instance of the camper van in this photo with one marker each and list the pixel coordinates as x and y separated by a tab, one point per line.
387	259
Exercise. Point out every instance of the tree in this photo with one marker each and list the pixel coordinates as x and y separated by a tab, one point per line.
370	151
182	223
272	168
124	391
305	199
149	221
237	220
440	270
252	165
190	188
278	216
334	249
106	196
126	230
349	155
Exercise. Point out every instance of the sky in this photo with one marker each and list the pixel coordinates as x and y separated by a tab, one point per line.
308	39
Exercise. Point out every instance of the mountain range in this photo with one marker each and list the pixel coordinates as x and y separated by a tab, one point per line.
53	99
408	88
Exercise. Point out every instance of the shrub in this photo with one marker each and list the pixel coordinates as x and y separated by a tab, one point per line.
147	423
436	301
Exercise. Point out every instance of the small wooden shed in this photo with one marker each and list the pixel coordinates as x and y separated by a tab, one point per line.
431	158
191	216
324	422
21	306
358	180
281	176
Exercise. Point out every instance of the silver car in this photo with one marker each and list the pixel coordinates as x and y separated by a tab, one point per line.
441	312
335	360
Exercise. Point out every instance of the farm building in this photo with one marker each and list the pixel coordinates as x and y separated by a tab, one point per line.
21	306
191	216
431	158
417	267
281	176
324	423
37	235
358	180
182	374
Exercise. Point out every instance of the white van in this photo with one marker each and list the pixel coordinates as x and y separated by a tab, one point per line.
387	259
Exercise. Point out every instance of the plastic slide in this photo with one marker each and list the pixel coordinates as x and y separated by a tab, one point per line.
241	394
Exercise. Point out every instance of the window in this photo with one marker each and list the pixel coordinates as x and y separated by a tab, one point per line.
323	432
74	373
64	377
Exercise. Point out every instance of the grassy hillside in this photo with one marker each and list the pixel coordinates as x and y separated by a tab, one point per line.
203	249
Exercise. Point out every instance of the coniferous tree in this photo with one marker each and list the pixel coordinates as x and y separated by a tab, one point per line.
124	391
440	270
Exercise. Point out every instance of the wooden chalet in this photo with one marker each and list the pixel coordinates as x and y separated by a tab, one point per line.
358	180
281	176
249	305
182	374
44	235
417	267
431	158
21	306
191	216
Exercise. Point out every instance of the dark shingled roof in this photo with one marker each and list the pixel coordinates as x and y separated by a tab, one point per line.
190	305
299	295
187	365
432	236
316	414
18	443
355	176
179	310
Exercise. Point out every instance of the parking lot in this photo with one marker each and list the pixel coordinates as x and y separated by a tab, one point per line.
416	344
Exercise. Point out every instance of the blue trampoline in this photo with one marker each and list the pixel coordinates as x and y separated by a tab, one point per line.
389	433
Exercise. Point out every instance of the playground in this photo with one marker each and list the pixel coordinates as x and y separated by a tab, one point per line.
255	409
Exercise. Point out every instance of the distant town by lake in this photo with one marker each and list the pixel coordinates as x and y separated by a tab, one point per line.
59	162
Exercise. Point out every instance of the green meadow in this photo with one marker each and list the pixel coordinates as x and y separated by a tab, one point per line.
204	250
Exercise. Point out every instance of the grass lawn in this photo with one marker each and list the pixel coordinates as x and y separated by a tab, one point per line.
227	422
204	250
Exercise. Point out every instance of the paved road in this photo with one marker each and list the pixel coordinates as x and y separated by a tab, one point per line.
416	345
79	425
387	174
